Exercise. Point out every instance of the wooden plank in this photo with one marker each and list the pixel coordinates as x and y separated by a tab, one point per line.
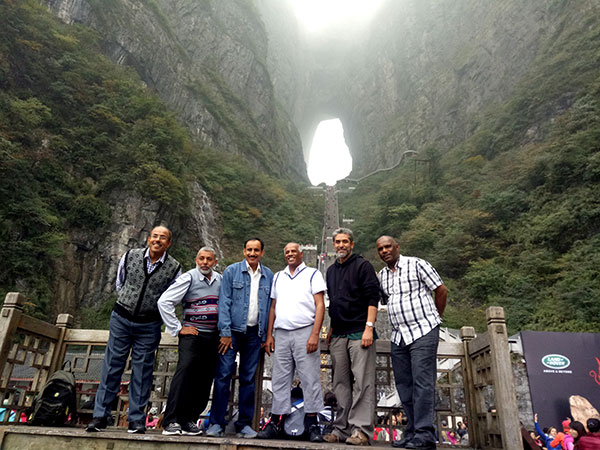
479	343
100	337
39	327
450	350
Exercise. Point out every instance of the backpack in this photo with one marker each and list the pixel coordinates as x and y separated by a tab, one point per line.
56	404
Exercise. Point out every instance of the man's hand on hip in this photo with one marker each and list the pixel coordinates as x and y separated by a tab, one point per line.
189	330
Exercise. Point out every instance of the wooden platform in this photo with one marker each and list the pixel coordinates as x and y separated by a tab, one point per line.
43	438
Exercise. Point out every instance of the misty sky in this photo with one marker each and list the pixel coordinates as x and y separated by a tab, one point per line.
317	15
330	158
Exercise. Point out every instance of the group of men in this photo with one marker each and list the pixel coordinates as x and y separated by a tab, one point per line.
249	308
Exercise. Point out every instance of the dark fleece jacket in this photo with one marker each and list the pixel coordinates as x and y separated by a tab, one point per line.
352	287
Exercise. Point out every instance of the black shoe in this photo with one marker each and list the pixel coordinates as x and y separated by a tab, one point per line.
270	431
137	426
314	433
97	424
420	444
402	442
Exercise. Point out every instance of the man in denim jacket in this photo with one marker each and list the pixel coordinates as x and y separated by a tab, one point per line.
244	303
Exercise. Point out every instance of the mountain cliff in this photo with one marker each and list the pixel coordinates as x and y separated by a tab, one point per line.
488	94
93	158
207	62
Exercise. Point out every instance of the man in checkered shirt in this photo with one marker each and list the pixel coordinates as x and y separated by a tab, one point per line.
416	301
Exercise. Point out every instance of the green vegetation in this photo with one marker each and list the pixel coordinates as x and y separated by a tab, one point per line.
511	216
75	129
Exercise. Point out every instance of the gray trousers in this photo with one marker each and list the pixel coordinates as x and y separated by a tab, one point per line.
290	354
353	386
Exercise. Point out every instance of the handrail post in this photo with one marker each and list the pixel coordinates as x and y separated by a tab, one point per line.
467	334
10	315
64	322
504	387
258	390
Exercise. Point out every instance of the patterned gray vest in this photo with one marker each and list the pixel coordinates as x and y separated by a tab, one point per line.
139	294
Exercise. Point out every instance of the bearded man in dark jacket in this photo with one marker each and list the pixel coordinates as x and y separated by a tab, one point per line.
135	323
354	294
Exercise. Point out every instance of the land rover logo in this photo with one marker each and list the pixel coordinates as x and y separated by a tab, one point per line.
556	361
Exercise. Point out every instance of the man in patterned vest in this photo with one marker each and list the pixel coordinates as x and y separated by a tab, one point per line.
143	275
197	291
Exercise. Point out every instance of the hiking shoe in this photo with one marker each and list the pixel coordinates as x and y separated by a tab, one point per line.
270	431
137	426
191	428
214	430
97	424
420	444
172	428
314	433
358	438
247	432
402	442
332	438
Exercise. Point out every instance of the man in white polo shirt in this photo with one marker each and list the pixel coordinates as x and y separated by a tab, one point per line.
296	316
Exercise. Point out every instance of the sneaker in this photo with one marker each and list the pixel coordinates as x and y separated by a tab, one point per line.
172	428
214	430
332	438
358	438
137	426
97	424
247	432
191	428
314	433
270	431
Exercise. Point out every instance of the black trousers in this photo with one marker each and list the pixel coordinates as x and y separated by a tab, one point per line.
190	387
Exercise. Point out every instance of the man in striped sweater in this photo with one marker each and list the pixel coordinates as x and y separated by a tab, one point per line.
198	292
416	301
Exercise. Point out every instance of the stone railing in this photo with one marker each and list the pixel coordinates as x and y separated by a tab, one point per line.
474	380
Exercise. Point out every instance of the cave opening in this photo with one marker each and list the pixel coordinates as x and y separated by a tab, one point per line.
329	157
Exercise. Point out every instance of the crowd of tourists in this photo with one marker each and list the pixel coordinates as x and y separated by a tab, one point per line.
247	309
574	436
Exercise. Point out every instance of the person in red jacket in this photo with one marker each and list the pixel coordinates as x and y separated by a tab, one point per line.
590	441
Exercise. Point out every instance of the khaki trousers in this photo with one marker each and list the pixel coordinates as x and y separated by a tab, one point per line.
353	386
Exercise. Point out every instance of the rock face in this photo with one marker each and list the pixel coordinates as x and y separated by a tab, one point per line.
86	273
207	61
417	74
244	78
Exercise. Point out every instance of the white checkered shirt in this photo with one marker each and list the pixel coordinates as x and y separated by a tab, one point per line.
411	306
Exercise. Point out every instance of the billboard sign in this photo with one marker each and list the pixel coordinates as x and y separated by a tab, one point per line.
560	365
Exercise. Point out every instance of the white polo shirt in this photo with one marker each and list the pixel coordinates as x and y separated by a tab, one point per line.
295	307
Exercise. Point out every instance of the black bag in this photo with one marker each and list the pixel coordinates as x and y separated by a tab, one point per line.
56	404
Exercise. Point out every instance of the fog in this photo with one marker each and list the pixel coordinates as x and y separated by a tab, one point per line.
329	158
320	16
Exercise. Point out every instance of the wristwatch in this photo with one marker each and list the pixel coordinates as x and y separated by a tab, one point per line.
370	324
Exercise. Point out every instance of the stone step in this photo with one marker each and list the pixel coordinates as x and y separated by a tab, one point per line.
44	438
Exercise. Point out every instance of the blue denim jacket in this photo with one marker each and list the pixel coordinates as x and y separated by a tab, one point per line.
234	299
